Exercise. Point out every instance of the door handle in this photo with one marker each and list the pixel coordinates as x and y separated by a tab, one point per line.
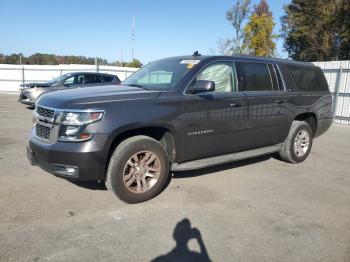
280	101
239	104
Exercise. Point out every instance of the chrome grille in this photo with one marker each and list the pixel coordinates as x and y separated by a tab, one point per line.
42	131
44	112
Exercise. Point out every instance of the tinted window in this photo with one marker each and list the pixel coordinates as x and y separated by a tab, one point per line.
273	73
288	79
107	78
91	79
253	76
308	78
221	74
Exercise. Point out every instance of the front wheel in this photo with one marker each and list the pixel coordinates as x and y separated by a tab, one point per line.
138	169
297	145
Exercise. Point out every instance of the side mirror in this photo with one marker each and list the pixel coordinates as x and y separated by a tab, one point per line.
202	86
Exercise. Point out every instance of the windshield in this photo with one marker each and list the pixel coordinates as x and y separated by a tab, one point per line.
57	79
162	75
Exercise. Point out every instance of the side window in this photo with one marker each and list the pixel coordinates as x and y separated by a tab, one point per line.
92	79
273	75
287	77
254	76
221	74
107	79
69	81
308	78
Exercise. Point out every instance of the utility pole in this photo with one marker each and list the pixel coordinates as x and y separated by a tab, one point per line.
20	59
132	39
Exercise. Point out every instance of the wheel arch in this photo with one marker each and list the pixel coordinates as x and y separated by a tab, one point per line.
164	134
310	118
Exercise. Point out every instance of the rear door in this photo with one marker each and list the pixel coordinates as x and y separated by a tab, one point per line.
214	121
267	121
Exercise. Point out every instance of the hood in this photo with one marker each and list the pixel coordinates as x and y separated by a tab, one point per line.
31	85
89	97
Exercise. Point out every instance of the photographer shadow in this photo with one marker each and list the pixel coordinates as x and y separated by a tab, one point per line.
183	233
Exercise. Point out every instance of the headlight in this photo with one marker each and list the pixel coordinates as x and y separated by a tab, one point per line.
73	124
80	118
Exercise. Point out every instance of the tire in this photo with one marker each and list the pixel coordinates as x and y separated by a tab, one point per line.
137	181
292	150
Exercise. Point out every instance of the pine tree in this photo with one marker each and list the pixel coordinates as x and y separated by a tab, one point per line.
317	30
343	25
258	37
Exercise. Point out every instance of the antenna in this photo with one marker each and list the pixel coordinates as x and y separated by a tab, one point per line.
132	38
121	57
196	54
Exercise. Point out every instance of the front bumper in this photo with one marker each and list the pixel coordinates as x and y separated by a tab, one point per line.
82	161
26	98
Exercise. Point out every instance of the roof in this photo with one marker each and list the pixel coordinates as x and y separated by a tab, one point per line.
248	58
88	73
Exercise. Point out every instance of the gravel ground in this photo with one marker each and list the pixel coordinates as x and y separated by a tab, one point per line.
256	210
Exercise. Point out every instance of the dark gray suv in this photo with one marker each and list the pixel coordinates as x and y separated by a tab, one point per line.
30	92
180	113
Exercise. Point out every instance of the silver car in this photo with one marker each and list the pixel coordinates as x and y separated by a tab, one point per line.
30	92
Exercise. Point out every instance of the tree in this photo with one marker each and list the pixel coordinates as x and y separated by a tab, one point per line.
224	46
343	25
258	37
317	29
50	59
134	63
236	16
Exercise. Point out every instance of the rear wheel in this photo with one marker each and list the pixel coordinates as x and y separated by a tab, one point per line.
297	145
138	169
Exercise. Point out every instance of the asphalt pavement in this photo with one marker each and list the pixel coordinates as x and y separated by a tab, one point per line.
260	209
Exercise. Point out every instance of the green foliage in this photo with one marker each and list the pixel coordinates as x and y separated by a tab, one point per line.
258	37
50	59
236	16
134	63
317	29
343	26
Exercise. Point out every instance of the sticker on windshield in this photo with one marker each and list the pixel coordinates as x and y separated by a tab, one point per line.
193	62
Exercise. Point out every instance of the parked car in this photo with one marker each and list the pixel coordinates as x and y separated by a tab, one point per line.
30	92
177	114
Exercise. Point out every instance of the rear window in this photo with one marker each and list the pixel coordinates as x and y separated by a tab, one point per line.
307	78
254	76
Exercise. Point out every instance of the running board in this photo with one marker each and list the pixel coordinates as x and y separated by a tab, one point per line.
216	160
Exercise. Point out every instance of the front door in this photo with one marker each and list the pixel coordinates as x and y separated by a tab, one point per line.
215	121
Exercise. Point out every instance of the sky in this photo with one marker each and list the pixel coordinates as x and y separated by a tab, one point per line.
104	28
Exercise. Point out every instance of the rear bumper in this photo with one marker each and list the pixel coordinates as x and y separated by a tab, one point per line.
83	161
